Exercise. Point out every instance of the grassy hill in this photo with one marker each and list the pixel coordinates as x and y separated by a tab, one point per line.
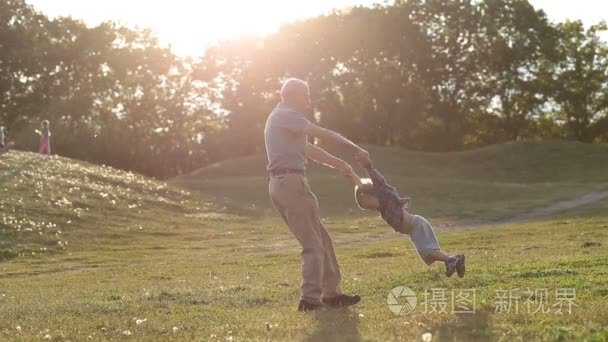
491	183
46	203
94	253
523	161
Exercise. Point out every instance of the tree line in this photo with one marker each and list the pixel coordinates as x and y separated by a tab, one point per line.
431	75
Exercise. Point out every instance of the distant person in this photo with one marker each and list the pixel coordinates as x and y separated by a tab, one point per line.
2	137
4	147
376	194
288	150
45	138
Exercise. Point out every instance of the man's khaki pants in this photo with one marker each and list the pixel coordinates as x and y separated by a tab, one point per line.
299	207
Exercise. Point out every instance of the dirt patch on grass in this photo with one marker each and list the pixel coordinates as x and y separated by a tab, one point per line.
558	207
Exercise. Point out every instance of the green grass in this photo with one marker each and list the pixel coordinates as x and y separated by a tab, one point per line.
192	267
517	162
46	203
488	184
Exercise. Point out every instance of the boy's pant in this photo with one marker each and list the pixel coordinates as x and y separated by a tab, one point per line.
292	197
424	239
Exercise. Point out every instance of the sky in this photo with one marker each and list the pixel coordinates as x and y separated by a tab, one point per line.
191	25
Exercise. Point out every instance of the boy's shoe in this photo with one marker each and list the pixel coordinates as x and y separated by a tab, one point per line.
341	301
460	266
451	265
305	306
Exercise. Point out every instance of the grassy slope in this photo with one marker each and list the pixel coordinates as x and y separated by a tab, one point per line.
212	274
526	161
492	183
46	203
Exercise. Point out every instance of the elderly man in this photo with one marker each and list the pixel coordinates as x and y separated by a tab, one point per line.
288	150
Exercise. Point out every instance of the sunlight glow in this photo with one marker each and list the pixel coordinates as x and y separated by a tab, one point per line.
191	25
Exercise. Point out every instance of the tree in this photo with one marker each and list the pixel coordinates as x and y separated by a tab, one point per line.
426	74
580	81
514	40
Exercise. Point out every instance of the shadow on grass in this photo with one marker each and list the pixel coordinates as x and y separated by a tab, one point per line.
336	325
6	255
464	327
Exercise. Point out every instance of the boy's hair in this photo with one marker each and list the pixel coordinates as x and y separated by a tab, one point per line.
45	123
366	188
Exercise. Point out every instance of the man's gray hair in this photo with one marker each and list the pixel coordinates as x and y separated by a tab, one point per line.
293	86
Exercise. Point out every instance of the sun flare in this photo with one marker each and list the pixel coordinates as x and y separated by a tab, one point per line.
189	26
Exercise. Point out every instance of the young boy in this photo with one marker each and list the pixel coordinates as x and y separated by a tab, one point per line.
378	195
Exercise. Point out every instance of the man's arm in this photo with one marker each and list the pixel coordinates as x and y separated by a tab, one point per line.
320	132
323	157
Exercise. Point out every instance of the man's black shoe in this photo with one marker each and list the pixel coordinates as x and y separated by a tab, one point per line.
341	301
305	306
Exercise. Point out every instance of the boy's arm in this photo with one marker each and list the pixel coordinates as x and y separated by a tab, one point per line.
375	176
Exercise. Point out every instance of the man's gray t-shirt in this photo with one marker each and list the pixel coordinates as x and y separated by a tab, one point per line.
285	139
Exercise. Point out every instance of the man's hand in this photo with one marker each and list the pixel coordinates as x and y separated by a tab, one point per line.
363	158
